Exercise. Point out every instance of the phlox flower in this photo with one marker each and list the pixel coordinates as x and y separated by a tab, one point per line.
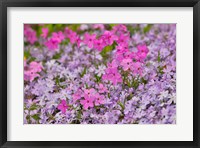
136	68
112	75
120	28
76	96
102	88
44	32
99	99
99	44
109	37
123	40
142	51
89	39
98	26
63	106
126	64
54	41
121	49
31	71
113	64
58	36
29	75
35	67
73	36
89	92
30	35
51	44
87	102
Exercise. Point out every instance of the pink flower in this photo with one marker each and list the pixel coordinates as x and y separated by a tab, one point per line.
142	52
87	102
29	75
137	68
77	95
98	26
112	75
30	34
78	41
89	39
59	37
73	37
142	48
123	40
31	71
44	32
99	44
35	67
89	92
126	64
120	28
102	89
122	49
109	37
54	41
99	99
52	44
113	64
63	106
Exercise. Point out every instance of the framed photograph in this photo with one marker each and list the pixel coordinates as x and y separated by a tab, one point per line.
99	73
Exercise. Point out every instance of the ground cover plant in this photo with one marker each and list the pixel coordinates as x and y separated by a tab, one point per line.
99	74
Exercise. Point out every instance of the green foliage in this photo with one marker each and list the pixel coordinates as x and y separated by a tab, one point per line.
36	117
147	28
27	54
159	59
121	105
34	107
84	72
106	50
57	55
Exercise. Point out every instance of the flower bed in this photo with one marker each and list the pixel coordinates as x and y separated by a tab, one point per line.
100	74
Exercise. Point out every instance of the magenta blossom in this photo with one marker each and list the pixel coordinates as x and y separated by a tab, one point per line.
30	35
87	102
59	37
109	37
99	44
63	106
89	39
99	99
77	95
123	40
102	88
89	92
51	44
44	32
127	64
112	75
31	71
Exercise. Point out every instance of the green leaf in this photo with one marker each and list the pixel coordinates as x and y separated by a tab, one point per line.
84	72
158	56
57	55
144	81
36	117
106	50
79	114
147	28
98	79
34	107
27	54
122	106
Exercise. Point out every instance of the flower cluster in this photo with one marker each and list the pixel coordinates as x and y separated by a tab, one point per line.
100	74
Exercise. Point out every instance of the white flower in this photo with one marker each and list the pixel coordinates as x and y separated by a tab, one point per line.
101	70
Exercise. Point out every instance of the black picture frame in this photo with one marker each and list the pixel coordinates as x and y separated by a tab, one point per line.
4	4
